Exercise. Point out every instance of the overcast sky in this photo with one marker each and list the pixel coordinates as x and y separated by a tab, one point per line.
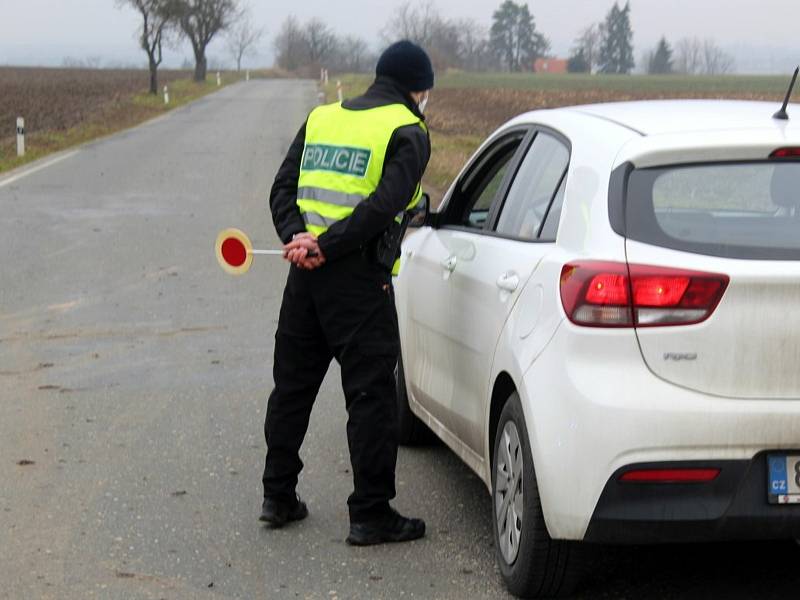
46	31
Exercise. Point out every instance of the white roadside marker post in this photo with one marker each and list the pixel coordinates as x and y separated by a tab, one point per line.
166	95
339	91
20	136
326	76
247	76
219	79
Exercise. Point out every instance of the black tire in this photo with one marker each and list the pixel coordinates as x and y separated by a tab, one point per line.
410	430
543	567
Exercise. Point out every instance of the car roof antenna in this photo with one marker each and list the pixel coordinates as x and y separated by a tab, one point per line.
782	114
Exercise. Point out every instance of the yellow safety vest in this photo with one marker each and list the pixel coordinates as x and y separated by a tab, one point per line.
343	160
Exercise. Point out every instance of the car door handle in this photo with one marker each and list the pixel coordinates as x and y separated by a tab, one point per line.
449	263
508	281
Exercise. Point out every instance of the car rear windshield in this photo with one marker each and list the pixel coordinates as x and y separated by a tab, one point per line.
736	210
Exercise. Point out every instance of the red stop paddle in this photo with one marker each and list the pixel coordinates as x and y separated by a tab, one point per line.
235	252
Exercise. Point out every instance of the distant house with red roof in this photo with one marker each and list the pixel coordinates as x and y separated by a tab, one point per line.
550	65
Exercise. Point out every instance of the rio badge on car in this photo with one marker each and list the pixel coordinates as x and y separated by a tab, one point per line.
784	479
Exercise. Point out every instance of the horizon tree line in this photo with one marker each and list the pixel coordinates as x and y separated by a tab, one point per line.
511	43
691	56
607	48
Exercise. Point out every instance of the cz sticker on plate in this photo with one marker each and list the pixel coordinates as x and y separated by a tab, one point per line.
784	478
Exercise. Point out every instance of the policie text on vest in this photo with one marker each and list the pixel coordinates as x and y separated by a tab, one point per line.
339	159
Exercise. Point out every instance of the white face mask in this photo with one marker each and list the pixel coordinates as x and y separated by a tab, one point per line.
423	103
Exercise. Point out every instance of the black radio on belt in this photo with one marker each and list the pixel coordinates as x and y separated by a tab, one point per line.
388	244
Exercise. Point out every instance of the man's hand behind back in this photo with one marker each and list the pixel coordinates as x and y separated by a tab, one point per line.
304	251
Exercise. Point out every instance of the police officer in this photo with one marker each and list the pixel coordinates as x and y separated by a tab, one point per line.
349	175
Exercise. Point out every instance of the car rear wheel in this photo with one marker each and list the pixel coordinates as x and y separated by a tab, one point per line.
410	430
533	565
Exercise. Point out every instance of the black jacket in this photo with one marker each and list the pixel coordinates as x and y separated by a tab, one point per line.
406	159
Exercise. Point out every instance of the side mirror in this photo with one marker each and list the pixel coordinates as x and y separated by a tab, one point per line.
420	213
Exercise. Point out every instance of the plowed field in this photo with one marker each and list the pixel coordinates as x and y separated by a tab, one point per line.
57	99
64	107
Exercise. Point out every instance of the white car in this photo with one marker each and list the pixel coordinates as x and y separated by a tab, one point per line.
603	321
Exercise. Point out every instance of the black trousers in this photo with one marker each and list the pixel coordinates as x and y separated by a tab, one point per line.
343	310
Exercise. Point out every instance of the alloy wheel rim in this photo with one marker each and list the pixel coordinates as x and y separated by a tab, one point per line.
508	492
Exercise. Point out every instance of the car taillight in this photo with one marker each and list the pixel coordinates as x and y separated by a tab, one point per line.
786	153
610	294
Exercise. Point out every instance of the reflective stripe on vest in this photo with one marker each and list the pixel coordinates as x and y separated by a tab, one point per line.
343	160
329	196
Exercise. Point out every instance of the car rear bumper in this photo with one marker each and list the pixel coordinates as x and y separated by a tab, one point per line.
593	408
731	507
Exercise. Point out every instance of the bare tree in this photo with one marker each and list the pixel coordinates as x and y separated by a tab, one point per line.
70	62
415	23
689	56
200	21
290	45
353	51
350	54
461	43
242	39
473	45
716	60
445	47
588	45
695	57
313	43
94	62
442	38
646	61
320	40
156	21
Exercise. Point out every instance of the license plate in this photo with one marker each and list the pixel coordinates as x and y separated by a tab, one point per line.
784	478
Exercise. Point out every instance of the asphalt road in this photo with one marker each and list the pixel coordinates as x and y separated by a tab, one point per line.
133	383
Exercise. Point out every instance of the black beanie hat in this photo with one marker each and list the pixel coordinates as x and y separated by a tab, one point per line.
408	64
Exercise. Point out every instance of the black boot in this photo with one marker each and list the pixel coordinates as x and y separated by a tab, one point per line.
392	528
278	512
